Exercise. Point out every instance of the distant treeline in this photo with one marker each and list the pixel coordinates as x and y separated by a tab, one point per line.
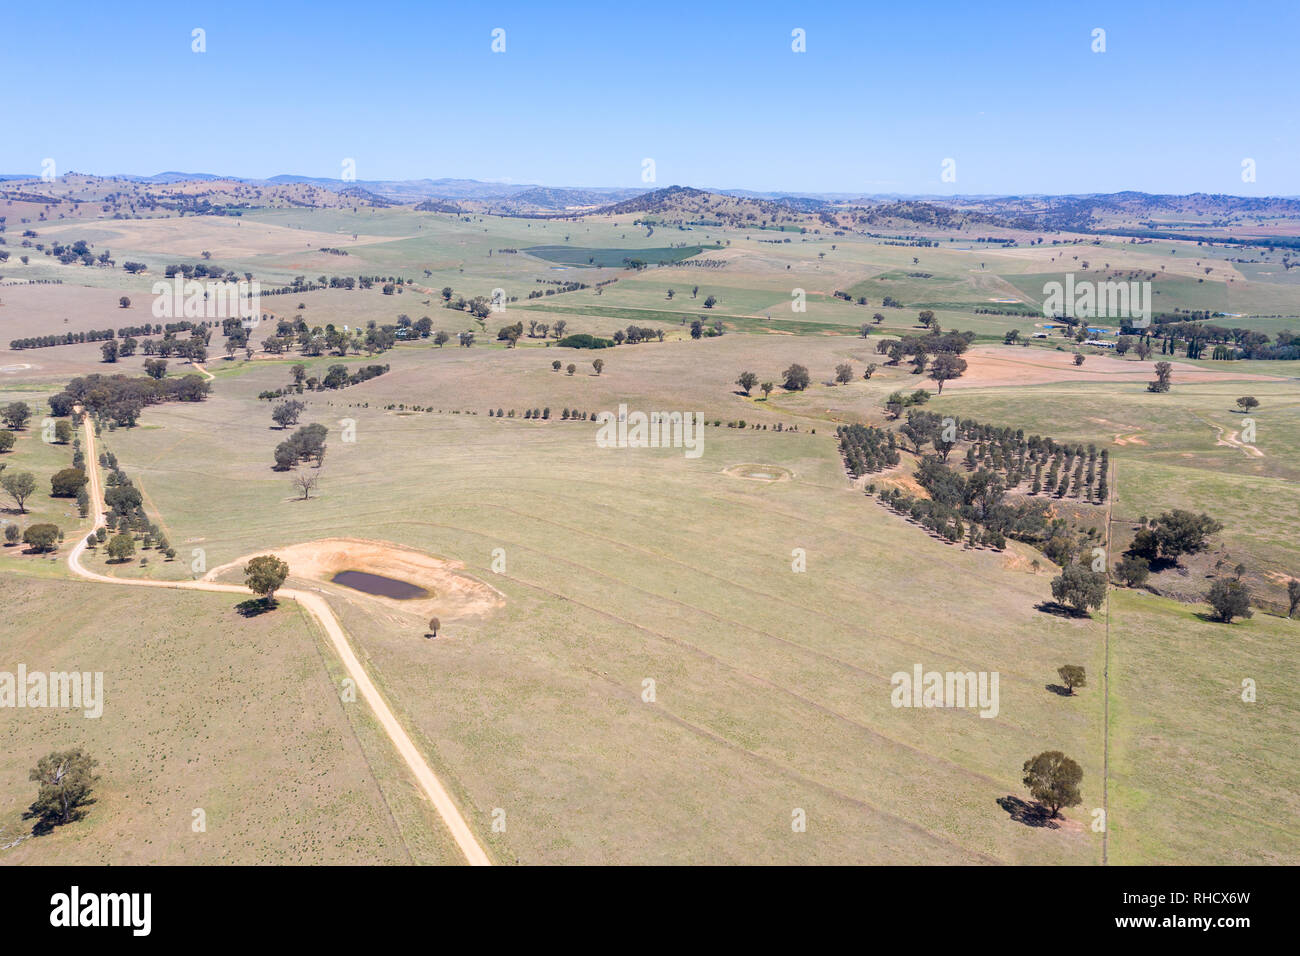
336	376
1269	243
202	270
103	335
1228	343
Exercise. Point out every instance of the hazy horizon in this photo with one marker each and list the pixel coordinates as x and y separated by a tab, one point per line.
194	175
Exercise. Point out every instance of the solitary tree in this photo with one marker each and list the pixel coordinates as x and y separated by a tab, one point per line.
747	381
946	366
286	456
1164	373
1079	358
1072	676
65	780
16	414
1293	596
571	368
264	574
1053	780
844	373
767	389
1247	402
796	378
305	482
41	537
120	547
1174	534
598	365
67	482
19	485
1079	588
286	413
434	624
869	370
1133	570
1230	597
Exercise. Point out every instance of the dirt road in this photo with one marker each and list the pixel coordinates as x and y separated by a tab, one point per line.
316	606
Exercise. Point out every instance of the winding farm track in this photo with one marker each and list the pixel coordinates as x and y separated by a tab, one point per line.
316	606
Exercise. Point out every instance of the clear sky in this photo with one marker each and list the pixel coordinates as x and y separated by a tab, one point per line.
713	93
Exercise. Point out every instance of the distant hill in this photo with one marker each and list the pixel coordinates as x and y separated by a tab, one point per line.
1136	215
548	198
1146	215
934	216
438	205
686	206
411	190
364	197
174	177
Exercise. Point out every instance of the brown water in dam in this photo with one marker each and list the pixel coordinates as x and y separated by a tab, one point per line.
378	584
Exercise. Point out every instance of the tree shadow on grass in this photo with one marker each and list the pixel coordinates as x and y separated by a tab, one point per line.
254	606
1209	618
1061	610
1030	814
45	823
1058	690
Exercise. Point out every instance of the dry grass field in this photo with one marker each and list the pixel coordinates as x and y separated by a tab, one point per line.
647	657
206	710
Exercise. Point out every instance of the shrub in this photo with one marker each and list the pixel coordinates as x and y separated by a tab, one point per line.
583	340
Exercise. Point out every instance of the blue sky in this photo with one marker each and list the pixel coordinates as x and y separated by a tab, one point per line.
583	93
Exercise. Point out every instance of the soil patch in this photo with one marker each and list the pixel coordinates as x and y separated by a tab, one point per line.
448	591
754	472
